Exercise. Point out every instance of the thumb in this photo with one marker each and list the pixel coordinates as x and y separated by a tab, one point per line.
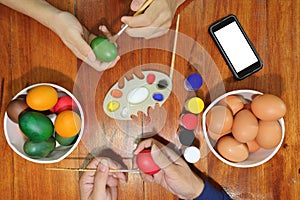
136	4
160	158
100	181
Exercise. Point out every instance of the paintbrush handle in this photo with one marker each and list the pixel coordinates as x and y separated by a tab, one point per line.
114	38
92	170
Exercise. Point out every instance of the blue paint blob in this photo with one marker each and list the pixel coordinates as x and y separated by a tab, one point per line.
193	82
158	97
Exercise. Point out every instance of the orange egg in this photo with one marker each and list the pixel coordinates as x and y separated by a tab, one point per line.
219	120
231	149
67	124
269	134
234	103
268	107
42	97
253	146
245	126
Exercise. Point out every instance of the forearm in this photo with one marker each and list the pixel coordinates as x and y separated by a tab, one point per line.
39	10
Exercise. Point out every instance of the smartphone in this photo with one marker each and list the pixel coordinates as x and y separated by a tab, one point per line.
235	46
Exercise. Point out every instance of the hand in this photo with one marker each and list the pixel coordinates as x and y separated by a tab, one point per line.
77	38
175	175
155	21
100	185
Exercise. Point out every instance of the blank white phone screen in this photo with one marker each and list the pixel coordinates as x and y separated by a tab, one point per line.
236	46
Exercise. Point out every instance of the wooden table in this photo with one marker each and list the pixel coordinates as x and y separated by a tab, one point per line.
30	53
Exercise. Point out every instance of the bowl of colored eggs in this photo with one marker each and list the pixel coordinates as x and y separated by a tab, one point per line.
244	128
43	123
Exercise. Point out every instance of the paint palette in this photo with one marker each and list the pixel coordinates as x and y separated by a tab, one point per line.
137	95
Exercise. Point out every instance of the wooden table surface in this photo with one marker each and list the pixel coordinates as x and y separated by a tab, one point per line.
30	54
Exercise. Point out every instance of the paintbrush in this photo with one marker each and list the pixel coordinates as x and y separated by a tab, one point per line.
92	170
114	38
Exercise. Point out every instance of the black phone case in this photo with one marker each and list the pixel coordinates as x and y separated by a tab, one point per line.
250	69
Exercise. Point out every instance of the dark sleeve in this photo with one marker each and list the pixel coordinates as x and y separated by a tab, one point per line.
211	193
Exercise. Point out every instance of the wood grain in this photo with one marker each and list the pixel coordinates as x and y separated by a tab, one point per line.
31	53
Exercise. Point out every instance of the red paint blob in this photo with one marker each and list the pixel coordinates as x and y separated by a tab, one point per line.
145	162
189	121
150	78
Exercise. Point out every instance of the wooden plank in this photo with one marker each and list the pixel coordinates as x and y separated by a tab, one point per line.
7	186
38	55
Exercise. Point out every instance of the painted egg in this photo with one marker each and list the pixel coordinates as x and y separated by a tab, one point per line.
104	50
36	126
65	141
245	126
67	124
268	107
42	97
64	103
15	108
145	162
39	149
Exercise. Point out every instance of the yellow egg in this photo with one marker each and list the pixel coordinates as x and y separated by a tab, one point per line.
42	97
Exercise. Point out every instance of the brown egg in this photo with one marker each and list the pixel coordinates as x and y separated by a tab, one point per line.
234	103
245	126
215	136
219	120
15	108
268	107
253	146
269	134
231	149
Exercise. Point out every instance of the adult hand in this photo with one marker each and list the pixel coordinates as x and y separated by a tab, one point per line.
155	21
77	38
175	175
101	185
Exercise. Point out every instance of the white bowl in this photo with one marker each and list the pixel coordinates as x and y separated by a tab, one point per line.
255	159
15	138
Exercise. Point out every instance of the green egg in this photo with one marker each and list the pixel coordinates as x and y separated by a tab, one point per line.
65	141
104	50
39	149
36	126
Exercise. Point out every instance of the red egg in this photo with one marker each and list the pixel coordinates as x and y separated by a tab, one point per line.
64	103
145	162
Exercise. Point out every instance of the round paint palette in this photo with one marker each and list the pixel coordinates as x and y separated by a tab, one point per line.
137	95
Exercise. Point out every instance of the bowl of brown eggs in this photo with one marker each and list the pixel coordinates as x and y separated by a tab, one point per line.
244	128
43	123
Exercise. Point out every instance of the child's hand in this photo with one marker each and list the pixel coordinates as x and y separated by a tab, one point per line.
101	184
76	37
155	21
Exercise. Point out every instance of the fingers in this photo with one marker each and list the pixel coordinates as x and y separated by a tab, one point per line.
160	158
115	176
105	31
101	177
136	4
88	177
144	145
